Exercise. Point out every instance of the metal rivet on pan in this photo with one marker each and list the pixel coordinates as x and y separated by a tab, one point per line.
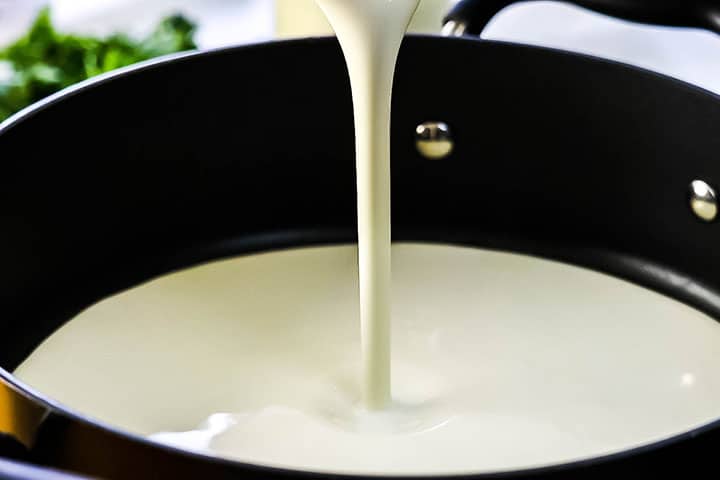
433	140
454	29
703	200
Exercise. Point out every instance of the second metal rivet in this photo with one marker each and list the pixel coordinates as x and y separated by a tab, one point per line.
703	201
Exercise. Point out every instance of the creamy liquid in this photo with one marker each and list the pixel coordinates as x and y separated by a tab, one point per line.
302	18
500	362
370	33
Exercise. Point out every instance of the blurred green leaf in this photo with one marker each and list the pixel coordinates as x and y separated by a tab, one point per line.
44	61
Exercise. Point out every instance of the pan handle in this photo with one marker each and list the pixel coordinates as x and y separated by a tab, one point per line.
470	17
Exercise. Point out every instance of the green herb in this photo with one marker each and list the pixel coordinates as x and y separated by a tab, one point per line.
45	61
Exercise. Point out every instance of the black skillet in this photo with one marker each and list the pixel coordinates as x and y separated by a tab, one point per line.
249	149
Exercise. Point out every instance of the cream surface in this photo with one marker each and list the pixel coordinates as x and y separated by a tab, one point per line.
370	33
500	362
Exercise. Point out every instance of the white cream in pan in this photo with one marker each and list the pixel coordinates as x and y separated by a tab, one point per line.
500	361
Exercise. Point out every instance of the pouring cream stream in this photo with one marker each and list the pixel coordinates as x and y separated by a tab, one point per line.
370	33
